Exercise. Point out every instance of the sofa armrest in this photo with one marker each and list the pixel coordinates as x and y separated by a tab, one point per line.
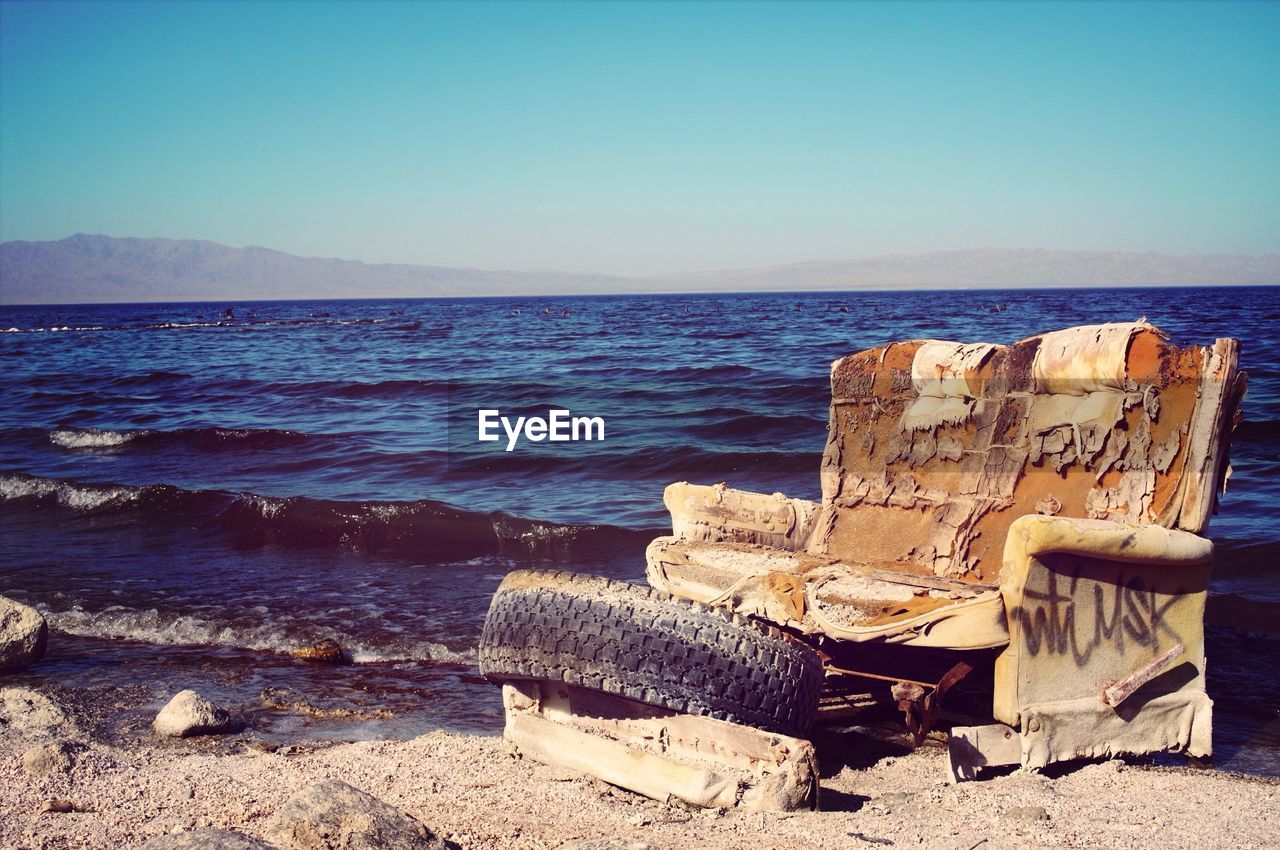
1121	542
718	513
1092	603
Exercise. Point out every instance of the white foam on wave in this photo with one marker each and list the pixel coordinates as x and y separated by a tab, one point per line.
425	651
385	512
14	487
266	506
54	329
148	626
117	622
92	498
92	438
175	326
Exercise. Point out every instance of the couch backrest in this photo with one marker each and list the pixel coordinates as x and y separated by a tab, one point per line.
935	448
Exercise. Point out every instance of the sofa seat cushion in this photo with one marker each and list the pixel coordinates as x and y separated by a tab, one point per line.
816	594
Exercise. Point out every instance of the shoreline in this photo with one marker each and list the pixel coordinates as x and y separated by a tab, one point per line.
470	789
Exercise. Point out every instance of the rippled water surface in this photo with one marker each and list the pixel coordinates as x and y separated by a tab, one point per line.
191	491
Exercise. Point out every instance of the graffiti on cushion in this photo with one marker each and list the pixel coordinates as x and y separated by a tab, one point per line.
1126	612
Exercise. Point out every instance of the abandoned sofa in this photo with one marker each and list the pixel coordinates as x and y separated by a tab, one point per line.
1026	519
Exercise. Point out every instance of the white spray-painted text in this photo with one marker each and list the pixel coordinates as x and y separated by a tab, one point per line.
560	426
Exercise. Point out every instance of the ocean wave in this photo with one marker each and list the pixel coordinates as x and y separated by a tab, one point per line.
150	626
394	388
422	529
205	439
756	425
56	329
149	379
20	488
92	438
590	385
1239	611
1242	558
1265	431
664	463
270	321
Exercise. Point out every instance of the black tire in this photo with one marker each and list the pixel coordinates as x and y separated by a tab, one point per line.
651	647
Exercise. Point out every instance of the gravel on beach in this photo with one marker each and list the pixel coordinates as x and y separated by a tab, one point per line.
471	790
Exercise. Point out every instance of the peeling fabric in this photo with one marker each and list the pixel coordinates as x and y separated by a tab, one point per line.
1100	413
1085	359
944	369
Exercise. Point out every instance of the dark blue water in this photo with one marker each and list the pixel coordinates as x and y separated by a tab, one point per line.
188	493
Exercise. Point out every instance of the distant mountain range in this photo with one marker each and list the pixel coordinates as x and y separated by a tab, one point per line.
85	268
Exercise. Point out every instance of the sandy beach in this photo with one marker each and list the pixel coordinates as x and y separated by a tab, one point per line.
471	790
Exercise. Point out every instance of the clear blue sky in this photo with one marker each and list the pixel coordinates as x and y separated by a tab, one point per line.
643	138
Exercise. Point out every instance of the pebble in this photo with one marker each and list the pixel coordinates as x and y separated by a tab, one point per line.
888	802
1027	813
61	807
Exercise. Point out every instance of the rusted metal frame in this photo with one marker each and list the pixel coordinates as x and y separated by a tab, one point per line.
920	702
920	710
840	671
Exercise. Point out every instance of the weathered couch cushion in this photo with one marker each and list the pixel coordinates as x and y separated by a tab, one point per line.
719	513
935	448
818	594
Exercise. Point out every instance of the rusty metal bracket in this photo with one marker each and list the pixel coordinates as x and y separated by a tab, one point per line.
919	701
921	710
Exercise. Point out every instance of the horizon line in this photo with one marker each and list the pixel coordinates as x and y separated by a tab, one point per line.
657	294
687	272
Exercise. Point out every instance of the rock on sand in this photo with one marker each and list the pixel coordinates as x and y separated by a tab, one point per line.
332	814
188	714
42	760
205	839
24	635
30	714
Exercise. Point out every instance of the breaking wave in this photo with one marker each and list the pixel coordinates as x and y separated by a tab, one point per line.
205	439
86	498
151	627
92	438
422	529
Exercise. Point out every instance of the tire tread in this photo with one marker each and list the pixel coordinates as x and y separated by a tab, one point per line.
637	642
